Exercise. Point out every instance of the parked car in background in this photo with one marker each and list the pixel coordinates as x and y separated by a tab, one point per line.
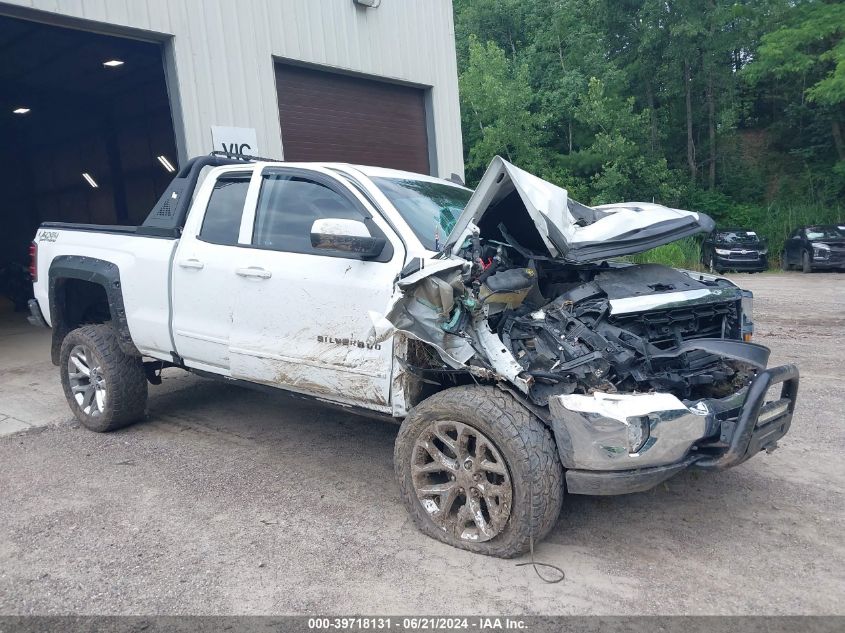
734	249
815	248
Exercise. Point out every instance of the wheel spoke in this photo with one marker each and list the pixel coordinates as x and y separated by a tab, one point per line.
460	522
80	365
441	435
78	388
492	467
436	489
430	467
88	397
438	456
474	505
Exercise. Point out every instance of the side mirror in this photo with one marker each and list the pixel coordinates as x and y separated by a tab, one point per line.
346	236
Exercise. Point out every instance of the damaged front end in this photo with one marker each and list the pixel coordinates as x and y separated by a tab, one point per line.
640	370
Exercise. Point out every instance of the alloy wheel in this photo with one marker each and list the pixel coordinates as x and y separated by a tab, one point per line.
87	382
462	481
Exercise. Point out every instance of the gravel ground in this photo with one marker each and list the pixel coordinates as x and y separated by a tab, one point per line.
229	501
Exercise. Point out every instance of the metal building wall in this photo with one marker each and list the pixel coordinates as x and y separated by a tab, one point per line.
222	51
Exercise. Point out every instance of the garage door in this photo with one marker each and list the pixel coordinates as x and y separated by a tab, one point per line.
331	117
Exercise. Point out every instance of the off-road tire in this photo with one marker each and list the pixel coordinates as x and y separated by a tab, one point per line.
526	446
806	265
124	377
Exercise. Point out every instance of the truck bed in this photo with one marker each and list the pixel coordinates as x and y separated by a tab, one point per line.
142	261
119	229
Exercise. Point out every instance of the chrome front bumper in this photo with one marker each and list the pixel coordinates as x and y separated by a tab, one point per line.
619	443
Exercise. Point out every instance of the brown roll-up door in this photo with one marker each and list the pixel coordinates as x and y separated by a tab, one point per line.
333	117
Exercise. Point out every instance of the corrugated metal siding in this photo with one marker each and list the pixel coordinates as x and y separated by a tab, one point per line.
224	51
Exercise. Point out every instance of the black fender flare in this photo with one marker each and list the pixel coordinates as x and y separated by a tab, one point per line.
92	270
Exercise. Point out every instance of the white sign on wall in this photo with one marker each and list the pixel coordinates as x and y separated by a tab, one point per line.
236	141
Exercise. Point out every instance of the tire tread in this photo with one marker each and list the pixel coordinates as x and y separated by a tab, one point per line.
125	378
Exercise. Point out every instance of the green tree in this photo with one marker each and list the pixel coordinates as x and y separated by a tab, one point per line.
810	48
497	109
620	135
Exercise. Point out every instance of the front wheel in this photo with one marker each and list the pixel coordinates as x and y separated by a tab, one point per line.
105	388
712	267
806	266
784	263
478	471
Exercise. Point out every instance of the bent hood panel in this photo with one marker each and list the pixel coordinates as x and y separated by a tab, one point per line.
567	229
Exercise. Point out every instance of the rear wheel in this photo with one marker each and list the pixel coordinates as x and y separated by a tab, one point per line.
478	471
105	388
806	266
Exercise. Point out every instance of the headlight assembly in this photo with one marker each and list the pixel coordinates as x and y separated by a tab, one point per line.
821	250
722	251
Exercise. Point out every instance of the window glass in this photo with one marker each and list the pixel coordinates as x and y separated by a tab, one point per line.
222	221
825	233
430	208
737	237
288	206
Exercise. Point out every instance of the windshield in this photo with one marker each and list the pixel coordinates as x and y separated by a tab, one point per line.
825	233
429	208
737	237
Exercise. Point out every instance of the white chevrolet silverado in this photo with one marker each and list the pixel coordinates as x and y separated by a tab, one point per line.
522	355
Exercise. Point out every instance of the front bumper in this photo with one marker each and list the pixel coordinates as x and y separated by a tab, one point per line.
594	435
831	262
758	264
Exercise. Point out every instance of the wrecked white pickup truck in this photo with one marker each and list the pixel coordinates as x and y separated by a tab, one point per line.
522	360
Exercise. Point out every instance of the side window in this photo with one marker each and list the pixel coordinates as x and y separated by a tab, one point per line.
222	221
288	206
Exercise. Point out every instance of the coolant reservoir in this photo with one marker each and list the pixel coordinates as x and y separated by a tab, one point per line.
508	287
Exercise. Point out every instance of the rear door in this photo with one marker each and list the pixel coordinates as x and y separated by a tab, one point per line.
302	314
204	279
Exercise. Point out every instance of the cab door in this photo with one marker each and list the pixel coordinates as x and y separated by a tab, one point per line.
204	283
303	313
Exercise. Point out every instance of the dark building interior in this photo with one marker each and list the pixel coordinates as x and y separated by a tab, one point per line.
86	131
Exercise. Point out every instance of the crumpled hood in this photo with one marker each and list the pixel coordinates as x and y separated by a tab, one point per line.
509	202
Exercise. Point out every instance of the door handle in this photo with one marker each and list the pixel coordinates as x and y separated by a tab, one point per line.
192	263
254	271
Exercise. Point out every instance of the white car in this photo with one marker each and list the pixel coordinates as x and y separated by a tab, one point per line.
521	358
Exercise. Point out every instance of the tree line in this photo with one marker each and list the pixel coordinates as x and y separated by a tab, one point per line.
731	107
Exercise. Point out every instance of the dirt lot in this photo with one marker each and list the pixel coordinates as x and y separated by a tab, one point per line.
232	501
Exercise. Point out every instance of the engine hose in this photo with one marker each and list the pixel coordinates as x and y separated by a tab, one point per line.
546	374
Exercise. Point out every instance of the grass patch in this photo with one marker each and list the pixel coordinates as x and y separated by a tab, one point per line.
684	253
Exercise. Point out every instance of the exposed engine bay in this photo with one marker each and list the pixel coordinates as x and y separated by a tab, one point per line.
531	289
564	328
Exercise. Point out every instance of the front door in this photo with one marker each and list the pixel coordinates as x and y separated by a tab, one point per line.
302	314
793	248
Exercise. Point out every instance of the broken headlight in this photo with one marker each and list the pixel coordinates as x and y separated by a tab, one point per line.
638	431
820	251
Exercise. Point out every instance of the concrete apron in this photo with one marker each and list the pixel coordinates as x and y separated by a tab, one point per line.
30	392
